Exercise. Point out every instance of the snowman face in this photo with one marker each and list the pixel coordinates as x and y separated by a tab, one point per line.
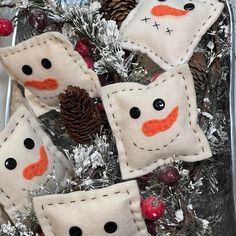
27	157
114	210
168	31
153	123
46	65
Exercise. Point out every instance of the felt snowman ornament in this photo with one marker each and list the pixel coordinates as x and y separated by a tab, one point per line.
168	30
114	210
27	158
155	124
46	65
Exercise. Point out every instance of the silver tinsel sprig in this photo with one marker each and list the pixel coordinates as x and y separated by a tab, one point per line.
83	17
182	217
19	229
23	4
103	34
95	165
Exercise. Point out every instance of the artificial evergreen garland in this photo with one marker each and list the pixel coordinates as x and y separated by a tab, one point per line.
96	164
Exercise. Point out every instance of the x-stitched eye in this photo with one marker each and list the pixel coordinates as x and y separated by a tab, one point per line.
146	19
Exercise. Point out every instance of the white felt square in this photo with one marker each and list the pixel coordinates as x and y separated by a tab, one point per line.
115	209
168	31
27	157
155	124
46	65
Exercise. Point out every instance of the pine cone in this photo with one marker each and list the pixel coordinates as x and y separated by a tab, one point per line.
198	67
117	10
81	117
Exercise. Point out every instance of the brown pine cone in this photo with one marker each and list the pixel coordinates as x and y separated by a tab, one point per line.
198	67
81	117
117	10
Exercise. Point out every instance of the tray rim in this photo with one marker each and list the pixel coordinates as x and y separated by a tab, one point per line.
232	103
232	95
10	82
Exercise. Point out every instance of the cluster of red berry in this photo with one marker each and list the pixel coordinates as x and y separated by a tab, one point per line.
84	48
153	207
6	27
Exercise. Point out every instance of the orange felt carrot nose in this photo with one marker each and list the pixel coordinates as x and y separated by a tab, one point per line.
152	127
38	168
47	84
164	10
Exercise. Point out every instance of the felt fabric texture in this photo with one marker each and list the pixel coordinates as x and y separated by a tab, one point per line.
152	124
27	157
168	31
38	107
46	65
115	209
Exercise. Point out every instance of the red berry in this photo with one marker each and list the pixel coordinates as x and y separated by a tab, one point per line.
155	76
153	208
82	49
87	43
169	175
89	62
151	227
38	19
6	27
100	106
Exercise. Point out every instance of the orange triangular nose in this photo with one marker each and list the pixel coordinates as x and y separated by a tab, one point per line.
152	127
164	10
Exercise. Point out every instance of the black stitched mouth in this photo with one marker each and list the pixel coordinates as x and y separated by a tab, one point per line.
156	149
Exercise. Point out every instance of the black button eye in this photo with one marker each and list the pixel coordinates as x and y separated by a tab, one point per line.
46	63
110	227
159	104
27	70
189	7
75	231
29	143
161	0
10	163
135	112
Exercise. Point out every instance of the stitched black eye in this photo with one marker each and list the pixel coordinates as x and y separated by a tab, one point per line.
110	227
159	104
135	112
75	231
27	70
189	7
29	143
161	0
10	163
46	63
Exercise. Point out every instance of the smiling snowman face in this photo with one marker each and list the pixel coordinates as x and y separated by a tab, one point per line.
114	210
152	124
27	157
46	65
168	31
